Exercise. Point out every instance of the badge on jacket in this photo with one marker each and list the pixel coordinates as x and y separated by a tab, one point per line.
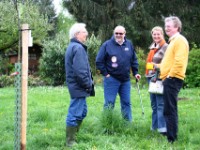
114	61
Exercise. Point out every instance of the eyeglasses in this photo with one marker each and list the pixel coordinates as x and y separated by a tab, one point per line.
119	33
82	32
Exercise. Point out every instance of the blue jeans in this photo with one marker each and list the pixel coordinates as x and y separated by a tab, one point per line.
157	105
172	87
112	87
77	111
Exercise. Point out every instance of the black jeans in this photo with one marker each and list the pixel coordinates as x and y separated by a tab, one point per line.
172	87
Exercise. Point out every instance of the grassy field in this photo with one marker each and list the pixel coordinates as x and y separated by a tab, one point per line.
47	109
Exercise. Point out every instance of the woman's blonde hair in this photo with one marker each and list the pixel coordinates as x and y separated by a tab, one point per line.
157	28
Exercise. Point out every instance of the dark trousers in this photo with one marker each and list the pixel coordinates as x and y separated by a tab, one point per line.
172	87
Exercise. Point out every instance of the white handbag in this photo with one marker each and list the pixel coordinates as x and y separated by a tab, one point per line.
156	87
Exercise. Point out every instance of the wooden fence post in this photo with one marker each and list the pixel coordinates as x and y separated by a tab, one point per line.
25	40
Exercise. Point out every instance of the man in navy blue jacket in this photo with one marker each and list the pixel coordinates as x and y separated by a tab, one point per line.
114	60
79	80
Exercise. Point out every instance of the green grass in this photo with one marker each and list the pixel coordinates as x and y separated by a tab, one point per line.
47	109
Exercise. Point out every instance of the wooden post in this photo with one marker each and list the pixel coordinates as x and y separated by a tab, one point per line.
25	36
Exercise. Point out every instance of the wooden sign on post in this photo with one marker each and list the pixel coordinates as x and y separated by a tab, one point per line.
25	43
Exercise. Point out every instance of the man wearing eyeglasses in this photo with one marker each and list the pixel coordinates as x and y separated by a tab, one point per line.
114	60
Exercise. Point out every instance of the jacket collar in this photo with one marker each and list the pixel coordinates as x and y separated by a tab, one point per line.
113	39
77	41
157	46
174	36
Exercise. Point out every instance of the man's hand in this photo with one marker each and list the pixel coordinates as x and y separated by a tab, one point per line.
108	75
14	73
138	76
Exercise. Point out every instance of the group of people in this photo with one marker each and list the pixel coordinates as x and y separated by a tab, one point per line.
115	60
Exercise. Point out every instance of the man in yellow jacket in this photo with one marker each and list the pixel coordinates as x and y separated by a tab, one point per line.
172	72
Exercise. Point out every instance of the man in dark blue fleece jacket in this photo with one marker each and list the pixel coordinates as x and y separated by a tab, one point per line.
79	80
114	60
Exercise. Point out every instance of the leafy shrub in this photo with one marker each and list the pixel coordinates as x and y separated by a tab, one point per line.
32	81
37	81
5	67
193	68
6	81
142	62
93	44
52	60
51	67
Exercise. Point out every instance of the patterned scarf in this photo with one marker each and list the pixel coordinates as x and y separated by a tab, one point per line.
153	50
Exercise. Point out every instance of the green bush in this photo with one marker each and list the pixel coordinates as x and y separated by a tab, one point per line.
93	45
6	81
142	62
193	68
52	60
37	81
5	67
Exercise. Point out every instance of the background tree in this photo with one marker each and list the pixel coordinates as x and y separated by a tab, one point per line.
8	25
101	16
138	16
46	9
138	25
30	13
187	10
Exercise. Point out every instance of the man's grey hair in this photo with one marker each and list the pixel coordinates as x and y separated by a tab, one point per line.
176	21
121	27
77	27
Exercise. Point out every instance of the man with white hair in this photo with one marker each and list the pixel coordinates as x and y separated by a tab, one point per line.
79	80
114	60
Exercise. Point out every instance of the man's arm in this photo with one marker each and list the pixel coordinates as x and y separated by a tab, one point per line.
101	60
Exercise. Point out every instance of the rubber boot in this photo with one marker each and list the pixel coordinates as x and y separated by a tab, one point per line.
70	136
79	122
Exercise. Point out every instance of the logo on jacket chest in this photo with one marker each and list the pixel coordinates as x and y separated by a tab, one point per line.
126	49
